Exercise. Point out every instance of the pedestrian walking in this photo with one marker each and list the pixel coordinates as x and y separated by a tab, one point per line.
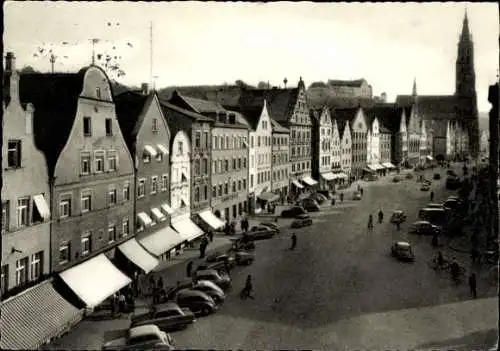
434	241
160	283
121	302
242	225
472	285
152	283
432	196
294	242
247	290
203	247
189	268
333	201
211	235
114	303
361	191
341	197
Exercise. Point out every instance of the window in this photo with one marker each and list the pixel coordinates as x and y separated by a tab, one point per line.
222	144
197	194
111	233
65	206
205	166
14	154
141	188
251	180
99	161
226	165
86	244
197	167
251	141
22	271
36	265
125	227
205	192
154	184
111	160
226	188
164	182
155	125
5	216
214	191
244	162
98	92
220	190
109	127
234	163
126	191
205	138
23	209
85	162
87	126
197	140
258	141
239	185
112	196
159	157
234	186
239	163
86	202
244	185
146	157
214	167
4	282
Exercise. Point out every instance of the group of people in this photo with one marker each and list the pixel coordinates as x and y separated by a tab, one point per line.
123	301
380	219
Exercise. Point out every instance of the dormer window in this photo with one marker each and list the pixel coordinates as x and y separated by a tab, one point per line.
98	93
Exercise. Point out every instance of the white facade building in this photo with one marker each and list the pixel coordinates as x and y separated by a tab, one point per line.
180	187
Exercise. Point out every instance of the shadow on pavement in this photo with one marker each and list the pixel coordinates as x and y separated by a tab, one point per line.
482	340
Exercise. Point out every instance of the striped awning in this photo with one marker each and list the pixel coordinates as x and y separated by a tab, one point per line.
35	316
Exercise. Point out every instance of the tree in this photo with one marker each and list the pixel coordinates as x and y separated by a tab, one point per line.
262	85
27	69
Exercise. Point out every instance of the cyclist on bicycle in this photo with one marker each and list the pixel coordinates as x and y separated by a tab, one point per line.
370	222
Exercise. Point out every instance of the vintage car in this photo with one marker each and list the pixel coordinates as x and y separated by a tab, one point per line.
260	232
220	279
293	212
144	337
424	228
425	187
198	302
436	176
302	221
453	183
402	251
409	176
398	216
271	225
356	195
396	179
319	198
310	205
208	287
219	260
166	316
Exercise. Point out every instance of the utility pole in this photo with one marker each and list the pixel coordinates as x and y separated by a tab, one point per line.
493	98
151	82
52	60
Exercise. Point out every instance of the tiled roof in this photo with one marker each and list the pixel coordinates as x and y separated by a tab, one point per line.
55	98
432	106
346	83
251	114
344	115
129	106
169	107
340	102
389	117
203	106
278	128
280	102
34	316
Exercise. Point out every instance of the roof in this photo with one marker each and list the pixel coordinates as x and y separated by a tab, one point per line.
344	115
389	117
278	128
340	126
129	106
346	83
251	114
55	98
203	106
280	102
432	106
167	106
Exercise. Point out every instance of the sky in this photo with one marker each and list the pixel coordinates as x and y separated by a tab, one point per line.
195	43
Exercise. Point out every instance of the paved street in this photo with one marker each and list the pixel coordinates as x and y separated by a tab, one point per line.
340	289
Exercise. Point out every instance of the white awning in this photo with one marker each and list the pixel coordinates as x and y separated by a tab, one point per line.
93	281
429	157
144	219
210	219
297	184
309	181
163	149
138	255
187	229
328	176
388	165
43	207
167	209
150	150
160	217
371	167
378	166
341	175
161	241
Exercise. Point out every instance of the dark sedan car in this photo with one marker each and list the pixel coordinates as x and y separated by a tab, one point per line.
293	212
402	251
168	316
260	232
302	221
436	176
424	228
271	225
198	302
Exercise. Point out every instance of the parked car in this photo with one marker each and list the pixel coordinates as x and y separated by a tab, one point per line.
436	216
146	337
356	195
433	205
302	221
452	204
453	183
217	259
222	280
271	225
409	176
326	193
396	179
398	216
402	251
425	187
198	302
293	212
310	205
319	198
436	176
166	316
424	228
260	232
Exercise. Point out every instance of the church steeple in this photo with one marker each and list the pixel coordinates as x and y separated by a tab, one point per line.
465	36
414	90
465	75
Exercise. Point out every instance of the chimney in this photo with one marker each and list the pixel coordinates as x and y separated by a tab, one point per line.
144	88
383	96
29	118
10	62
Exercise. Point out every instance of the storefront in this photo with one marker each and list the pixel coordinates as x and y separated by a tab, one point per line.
369	170
327	181
309	182
210	221
187	229
94	280
132	258
35	317
267	199
162	243
389	167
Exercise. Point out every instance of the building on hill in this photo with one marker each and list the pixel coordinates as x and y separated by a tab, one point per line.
452	119
350	88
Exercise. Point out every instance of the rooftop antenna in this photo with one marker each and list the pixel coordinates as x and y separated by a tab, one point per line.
52	60
151	78
94	41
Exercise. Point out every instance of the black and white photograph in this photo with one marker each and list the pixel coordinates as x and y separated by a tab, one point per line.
250	175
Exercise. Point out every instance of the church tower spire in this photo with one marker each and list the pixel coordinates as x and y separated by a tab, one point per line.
414	90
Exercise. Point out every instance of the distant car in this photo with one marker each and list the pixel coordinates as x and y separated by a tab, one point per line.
396	179
453	183
425	187
198	302
144	337
436	216
302	221
424	228
261	232
167	316
271	225
398	216
402	251
319	198
222	280
293	212
409	176
356	195
450	172
310	205
436	176
219	260
451	204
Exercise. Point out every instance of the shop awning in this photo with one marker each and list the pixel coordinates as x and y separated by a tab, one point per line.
42	206
163	149
158	215
163	240
378	166
94	280
210	219
269	197
167	209
370	168
388	165
144	219
297	184
150	150
328	176
187	229
429	157
34	316
309	181
138	255
341	175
